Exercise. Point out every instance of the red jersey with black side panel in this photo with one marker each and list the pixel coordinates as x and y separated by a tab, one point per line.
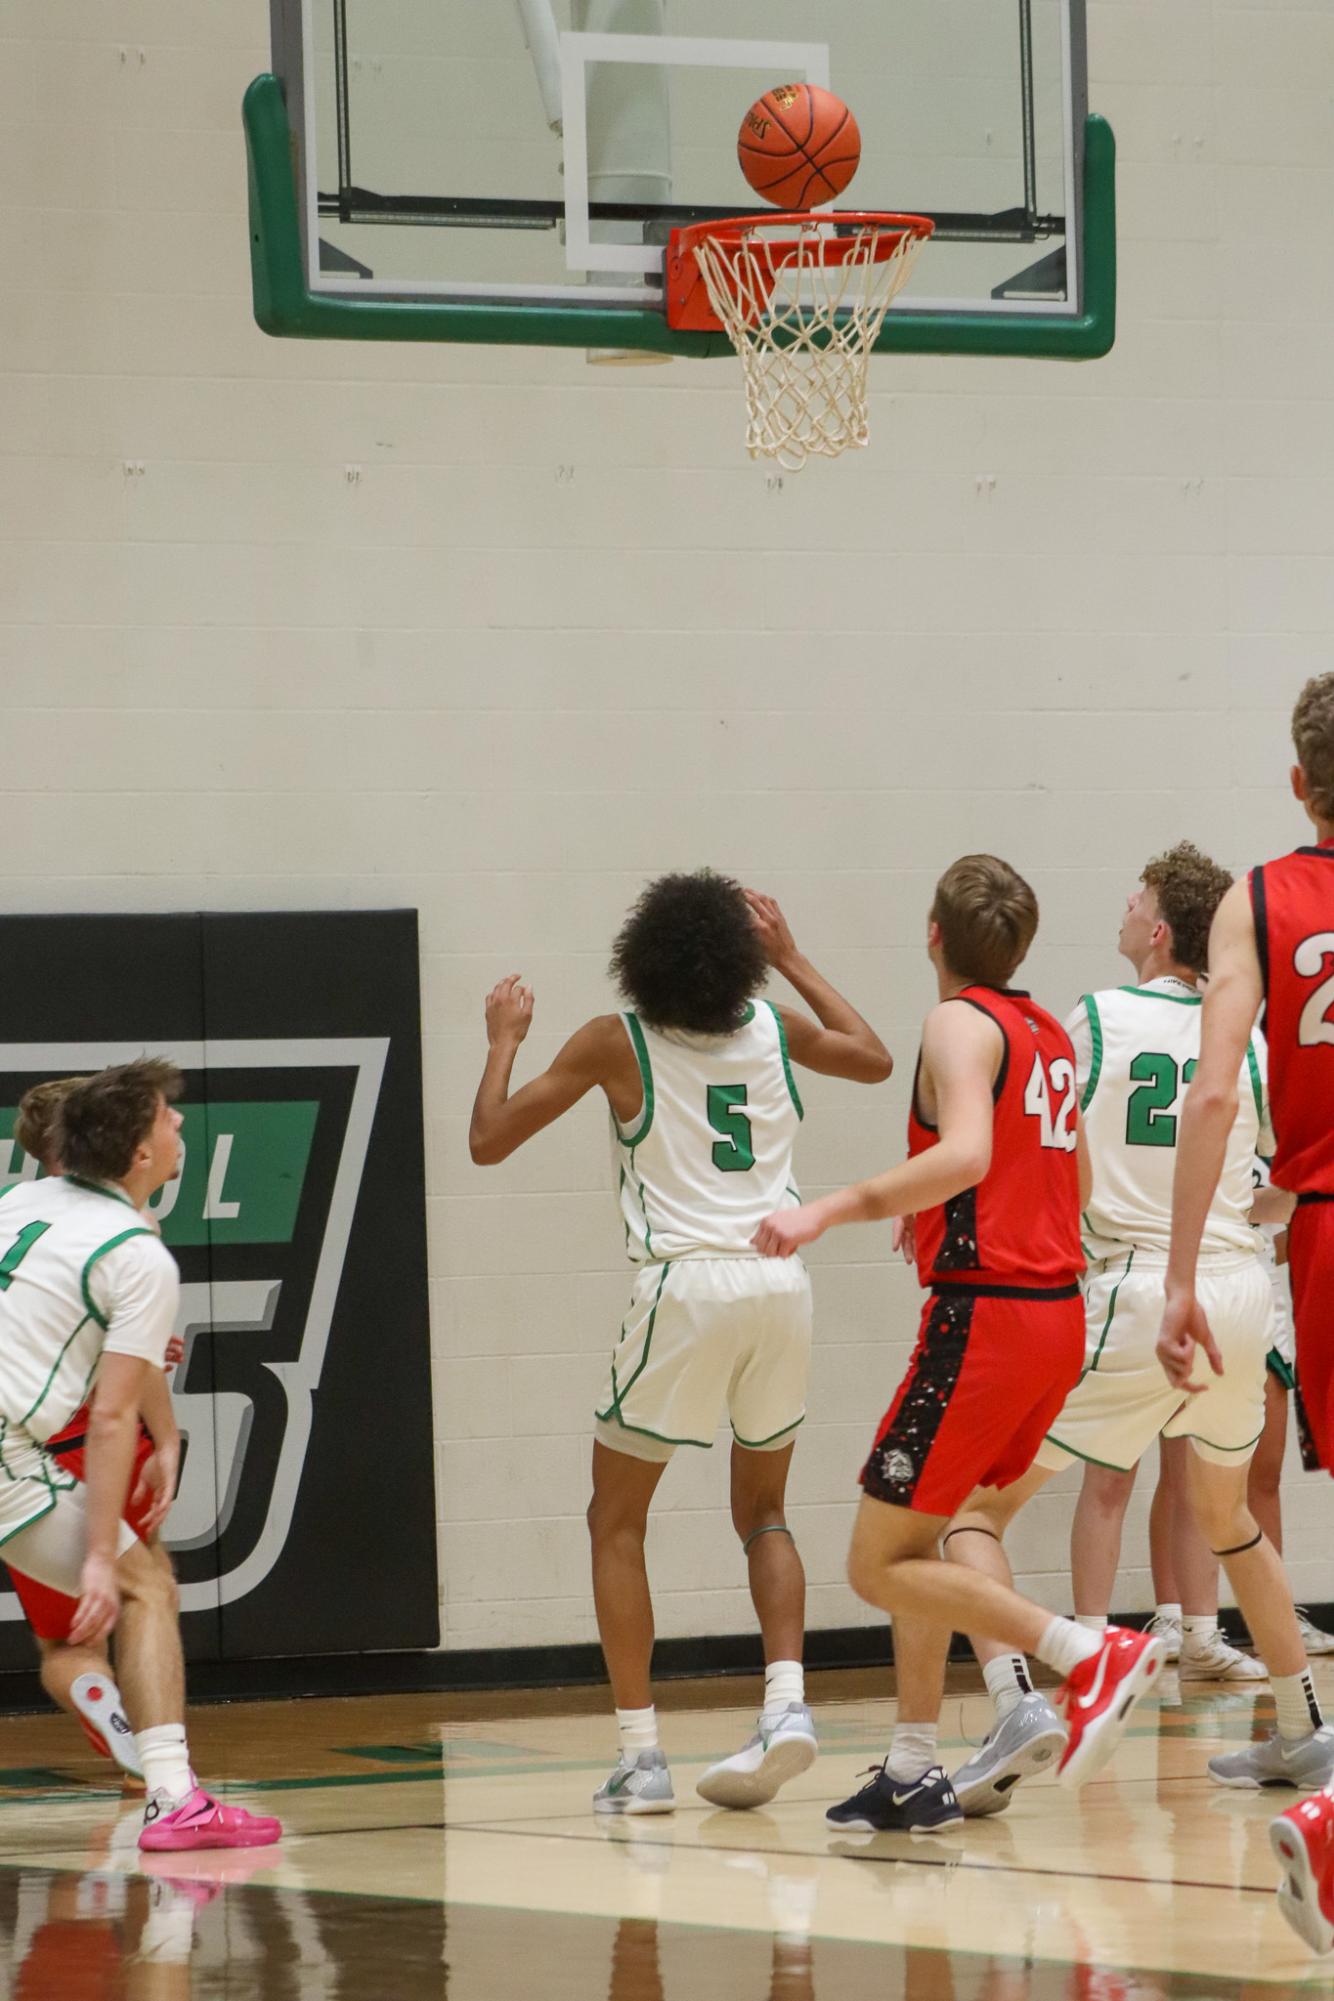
1001	1341
1292	901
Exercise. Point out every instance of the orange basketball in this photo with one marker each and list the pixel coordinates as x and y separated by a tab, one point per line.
799	145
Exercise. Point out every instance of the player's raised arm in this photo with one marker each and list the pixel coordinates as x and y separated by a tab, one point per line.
1231	1003
961	1050
500	1123
839	1043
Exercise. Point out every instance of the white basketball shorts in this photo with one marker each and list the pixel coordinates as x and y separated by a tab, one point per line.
1123	1401
705	1336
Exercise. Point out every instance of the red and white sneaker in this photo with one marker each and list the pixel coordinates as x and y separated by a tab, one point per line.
1303	1840
1099	1696
98	1706
200	1821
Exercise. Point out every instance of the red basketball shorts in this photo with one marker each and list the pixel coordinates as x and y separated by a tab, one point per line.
986	1382
50	1613
1311	1266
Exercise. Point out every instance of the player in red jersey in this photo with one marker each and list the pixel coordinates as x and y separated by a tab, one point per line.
1271	946
993	1181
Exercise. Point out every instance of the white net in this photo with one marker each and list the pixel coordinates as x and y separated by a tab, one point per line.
803	307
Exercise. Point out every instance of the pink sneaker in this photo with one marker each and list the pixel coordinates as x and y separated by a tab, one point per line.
203	1822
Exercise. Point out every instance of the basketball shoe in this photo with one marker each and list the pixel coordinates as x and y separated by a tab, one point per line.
1023	1742
1214	1659
776	1753
1314	1640
642	1784
106	1726
200	1821
1303	1840
898	1806
1099	1697
1300	1762
1163	1627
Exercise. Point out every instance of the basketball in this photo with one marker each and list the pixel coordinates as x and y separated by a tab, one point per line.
799	145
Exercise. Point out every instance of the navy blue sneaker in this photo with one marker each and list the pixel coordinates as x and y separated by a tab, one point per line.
898	1806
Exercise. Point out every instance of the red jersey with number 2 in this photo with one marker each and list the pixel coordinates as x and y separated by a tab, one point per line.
1020	1225
1293	903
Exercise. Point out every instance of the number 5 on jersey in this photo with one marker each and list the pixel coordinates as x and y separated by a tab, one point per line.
733	1153
1049	1097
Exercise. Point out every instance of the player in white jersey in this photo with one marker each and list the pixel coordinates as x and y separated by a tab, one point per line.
1135	1051
88	1299
698	1074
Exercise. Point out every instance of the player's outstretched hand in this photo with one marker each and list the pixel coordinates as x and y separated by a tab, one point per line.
787	1230
905	1238
509	1011
99	1602
775	933
1184	1329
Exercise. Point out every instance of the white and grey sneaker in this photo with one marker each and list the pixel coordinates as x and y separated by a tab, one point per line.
1217	1660
1026	1741
1169	1632
639	1785
1304	1762
1314	1640
776	1753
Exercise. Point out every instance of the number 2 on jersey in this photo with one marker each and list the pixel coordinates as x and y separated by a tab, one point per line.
1043	1089
1309	959
733	1153
18	1250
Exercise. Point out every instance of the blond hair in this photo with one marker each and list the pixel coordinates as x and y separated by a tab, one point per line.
987	915
37	1114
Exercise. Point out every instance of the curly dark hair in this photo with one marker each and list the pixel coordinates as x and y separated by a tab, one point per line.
101	1121
1189	887
689	956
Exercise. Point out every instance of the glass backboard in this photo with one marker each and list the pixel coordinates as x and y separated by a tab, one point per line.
532	156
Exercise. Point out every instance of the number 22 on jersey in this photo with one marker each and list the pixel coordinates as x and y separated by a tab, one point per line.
1049	1097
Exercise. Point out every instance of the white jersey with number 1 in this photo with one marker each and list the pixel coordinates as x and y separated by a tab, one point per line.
1135	1053
710	1155
81	1275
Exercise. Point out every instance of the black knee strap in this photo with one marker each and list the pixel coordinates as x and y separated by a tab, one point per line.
1239	1549
967	1529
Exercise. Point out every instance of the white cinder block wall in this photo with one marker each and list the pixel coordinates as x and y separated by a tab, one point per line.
559	635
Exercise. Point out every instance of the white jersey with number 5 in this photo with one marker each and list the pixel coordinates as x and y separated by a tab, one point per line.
1136	1049
81	1274
710	1155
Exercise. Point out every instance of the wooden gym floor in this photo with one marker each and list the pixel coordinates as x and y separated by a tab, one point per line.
440	1846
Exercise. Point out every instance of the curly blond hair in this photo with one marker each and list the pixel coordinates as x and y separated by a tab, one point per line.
1313	741
987	916
1189	887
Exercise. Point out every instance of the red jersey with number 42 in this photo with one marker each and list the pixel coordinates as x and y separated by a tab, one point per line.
1293	903
1020	1225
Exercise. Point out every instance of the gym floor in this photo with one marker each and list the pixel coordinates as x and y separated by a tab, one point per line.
443	1845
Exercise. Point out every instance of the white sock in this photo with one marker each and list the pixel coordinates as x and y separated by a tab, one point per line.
1296	1704
784	1683
1172	1612
1065	1643
638	1731
912	1750
1008	1682
165	1757
1092	1622
1197	1629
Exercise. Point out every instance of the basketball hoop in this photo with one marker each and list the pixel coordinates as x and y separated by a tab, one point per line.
802	297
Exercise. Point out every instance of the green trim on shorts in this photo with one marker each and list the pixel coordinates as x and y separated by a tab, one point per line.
617	1393
756	1444
1257	1088
1102	1338
1197	1438
40	1516
1087	1457
613	1416
787	1061
1278	1365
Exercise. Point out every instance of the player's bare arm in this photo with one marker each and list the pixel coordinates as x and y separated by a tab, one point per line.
961	1052
839	1042
112	1431
599	1053
1232	1001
